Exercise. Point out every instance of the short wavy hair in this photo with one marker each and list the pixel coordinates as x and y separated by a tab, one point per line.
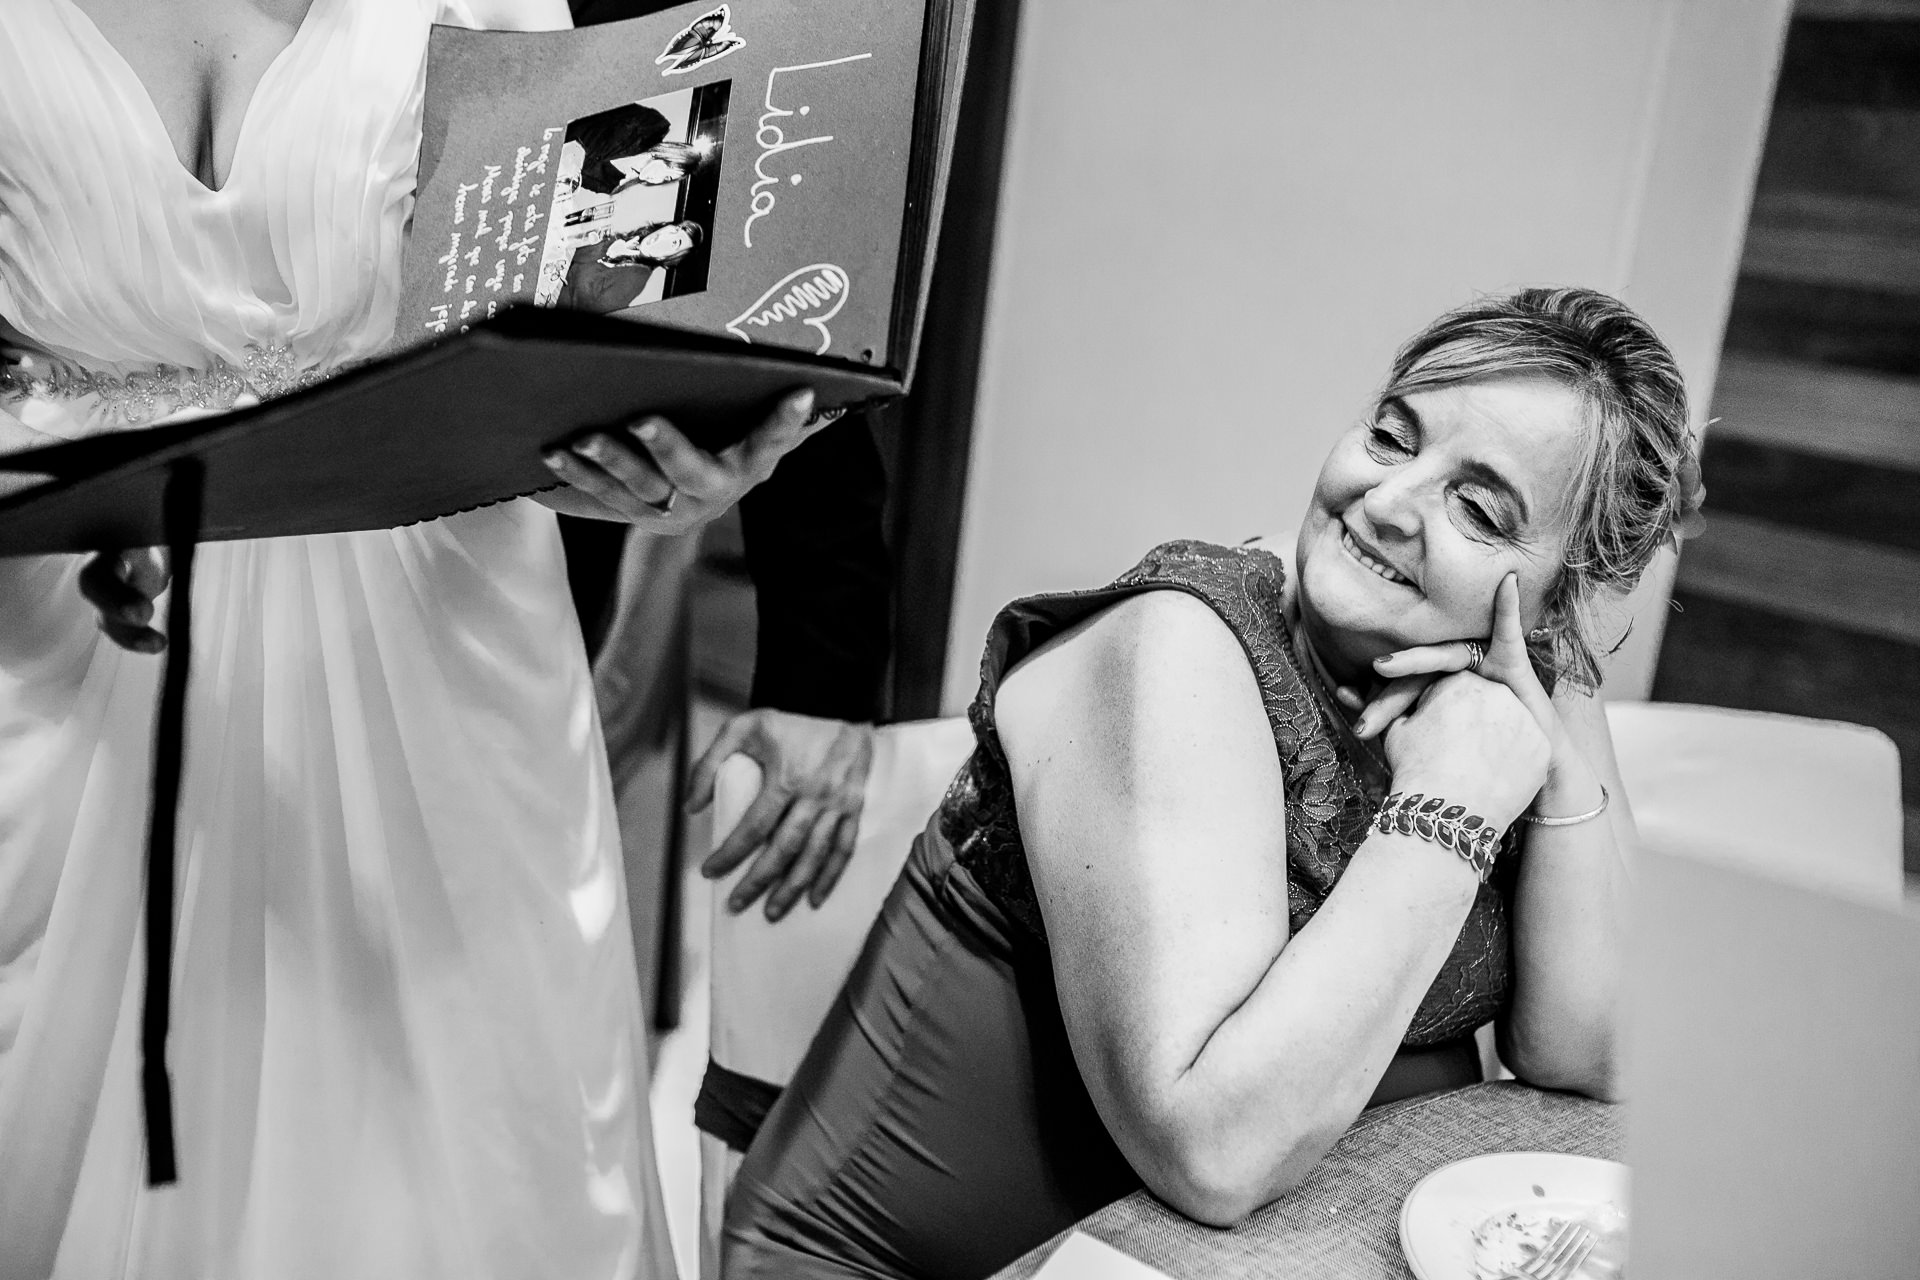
1638	485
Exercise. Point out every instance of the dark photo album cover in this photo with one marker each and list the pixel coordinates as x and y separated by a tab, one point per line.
686	213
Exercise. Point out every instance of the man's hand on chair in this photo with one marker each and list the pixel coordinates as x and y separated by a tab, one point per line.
802	824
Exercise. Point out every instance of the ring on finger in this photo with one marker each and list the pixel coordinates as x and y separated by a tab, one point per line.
665	505
1476	654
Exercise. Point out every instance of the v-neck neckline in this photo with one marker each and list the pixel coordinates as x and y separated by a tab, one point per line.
158	122
1367	760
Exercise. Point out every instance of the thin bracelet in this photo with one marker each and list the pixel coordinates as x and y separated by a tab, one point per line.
1577	818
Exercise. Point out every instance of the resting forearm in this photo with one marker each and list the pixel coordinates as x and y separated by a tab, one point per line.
1286	1073
1568	919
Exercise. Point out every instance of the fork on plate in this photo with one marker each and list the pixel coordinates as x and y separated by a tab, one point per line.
1562	1257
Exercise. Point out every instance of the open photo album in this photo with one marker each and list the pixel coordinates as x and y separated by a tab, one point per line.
686	213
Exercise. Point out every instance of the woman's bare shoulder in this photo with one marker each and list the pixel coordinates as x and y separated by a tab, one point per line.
507	15
1144	665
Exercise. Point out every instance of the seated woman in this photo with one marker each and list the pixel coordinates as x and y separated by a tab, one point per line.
1240	853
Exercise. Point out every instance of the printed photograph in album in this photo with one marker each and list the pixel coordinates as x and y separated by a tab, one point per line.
632	215
741	170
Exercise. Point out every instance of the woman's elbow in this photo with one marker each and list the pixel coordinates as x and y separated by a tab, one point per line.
1599	1080
1592	1070
1207	1197
1220	1181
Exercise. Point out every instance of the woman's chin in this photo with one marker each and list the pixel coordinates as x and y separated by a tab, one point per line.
1348	596
1352	623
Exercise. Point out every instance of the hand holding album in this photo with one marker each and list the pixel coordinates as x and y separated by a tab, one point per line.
748	195
441	429
651	475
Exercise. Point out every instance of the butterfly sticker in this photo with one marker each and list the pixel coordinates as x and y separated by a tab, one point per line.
709	36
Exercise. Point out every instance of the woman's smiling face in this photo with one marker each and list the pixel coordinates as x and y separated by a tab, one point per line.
1422	510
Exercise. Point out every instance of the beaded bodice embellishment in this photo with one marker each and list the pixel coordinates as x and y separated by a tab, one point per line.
141	397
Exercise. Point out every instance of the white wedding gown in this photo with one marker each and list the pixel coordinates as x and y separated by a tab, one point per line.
406	1038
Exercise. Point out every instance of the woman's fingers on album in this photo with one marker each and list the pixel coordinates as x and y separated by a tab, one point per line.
147	570
806	868
122	586
102	585
784	428
629	466
680	462
576	471
136	639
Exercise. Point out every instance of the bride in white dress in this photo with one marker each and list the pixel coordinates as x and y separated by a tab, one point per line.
406	1036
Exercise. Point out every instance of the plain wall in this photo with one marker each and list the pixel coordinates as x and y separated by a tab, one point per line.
1219	221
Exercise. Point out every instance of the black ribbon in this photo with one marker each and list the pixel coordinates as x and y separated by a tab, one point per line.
731	1106
180	517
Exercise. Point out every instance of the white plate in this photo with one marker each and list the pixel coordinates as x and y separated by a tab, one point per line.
1440	1213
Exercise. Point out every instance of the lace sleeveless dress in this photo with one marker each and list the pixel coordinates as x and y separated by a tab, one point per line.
406	1038
1334	782
938	1127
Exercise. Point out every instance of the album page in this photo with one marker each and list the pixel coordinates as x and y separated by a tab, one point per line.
739	170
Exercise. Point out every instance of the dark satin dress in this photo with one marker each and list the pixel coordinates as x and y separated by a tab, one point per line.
938	1126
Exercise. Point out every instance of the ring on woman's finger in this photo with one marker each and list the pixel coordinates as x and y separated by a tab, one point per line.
1476	654
665	505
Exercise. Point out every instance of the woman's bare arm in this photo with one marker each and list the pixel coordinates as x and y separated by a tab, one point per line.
1225	1057
1569	914
519	15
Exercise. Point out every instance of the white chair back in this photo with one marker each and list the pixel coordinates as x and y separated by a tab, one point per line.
1812	802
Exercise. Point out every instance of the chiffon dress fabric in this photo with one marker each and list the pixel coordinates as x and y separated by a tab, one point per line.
407	1037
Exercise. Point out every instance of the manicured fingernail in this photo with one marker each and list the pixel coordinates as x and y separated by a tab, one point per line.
801	401
647	430
1385	658
555	460
595	447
